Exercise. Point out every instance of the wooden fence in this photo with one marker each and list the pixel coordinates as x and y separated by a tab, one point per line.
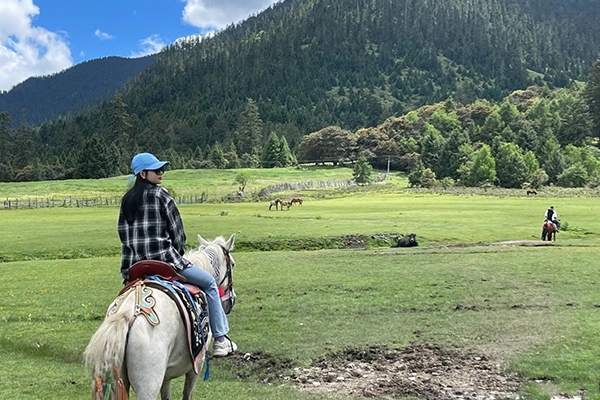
77	202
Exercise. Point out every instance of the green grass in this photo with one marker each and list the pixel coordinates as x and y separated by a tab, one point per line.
436	219
509	302
536	310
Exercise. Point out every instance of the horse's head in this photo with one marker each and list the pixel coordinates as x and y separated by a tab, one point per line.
223	268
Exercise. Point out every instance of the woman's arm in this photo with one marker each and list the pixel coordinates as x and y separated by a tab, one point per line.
174	225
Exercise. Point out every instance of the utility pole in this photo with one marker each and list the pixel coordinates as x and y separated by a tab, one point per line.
388	168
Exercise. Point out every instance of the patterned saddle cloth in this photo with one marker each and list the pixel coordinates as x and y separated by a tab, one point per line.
194	312
193	309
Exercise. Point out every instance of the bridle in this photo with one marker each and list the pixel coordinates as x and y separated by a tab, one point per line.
228	275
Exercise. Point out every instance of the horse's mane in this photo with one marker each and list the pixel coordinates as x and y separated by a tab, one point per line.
197	256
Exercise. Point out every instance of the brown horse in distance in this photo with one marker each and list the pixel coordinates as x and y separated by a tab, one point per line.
531	191
286	204
296	200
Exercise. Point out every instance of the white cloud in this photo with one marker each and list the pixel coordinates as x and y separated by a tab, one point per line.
102	35
217	14
151	45
27	50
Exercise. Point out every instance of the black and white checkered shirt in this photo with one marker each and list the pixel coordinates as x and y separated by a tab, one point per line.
156	234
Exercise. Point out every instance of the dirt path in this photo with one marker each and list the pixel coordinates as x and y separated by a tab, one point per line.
424	371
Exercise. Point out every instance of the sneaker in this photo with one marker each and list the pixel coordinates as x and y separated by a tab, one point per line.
224	348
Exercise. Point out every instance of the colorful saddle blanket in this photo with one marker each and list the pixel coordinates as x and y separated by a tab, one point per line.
191	303
194	312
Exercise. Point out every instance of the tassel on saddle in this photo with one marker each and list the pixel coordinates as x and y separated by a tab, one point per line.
104	390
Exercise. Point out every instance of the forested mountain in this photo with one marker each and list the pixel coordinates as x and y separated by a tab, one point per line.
71	90
304	65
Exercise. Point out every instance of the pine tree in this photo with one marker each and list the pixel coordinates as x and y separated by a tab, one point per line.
415	175
271	157
119	123
431	149
287	158
23	146
217	157
592	96
5	137
362	171
233	161
95	160
248	134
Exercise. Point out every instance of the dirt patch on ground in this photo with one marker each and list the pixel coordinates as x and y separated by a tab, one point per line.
425	371
528	243
362	242
354	242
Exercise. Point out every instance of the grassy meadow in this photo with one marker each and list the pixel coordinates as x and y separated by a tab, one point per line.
535	310
214	182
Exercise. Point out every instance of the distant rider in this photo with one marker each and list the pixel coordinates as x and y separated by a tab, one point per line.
552	215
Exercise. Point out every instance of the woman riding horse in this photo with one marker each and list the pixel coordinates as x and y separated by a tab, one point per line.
150	228
148	338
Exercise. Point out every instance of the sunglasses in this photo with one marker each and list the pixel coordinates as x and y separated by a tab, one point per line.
159	171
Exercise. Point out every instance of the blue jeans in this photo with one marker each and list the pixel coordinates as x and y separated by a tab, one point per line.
205	281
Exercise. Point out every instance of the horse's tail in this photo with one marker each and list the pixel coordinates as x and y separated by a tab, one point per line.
107	346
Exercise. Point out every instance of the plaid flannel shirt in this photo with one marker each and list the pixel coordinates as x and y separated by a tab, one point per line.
156	234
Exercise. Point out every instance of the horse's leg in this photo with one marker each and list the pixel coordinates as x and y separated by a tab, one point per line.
148	381
165	391
149	349
190	382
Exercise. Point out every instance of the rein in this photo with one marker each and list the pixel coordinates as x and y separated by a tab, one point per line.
229	264
228	271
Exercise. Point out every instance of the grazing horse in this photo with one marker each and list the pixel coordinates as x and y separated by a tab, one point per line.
285	204
147	353
296	200
275	203
531	191
549	231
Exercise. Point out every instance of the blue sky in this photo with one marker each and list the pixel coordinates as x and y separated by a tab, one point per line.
41	37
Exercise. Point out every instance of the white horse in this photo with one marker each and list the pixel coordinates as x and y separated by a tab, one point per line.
148	356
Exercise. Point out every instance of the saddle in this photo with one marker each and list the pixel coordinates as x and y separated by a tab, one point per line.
142	269
548	224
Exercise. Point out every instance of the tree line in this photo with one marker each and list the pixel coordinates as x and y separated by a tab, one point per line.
534	137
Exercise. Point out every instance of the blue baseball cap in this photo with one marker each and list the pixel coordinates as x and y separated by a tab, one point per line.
145	162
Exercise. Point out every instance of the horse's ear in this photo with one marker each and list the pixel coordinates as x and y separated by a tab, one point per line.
229	244
202	242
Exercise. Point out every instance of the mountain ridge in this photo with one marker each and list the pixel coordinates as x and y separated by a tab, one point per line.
70	90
